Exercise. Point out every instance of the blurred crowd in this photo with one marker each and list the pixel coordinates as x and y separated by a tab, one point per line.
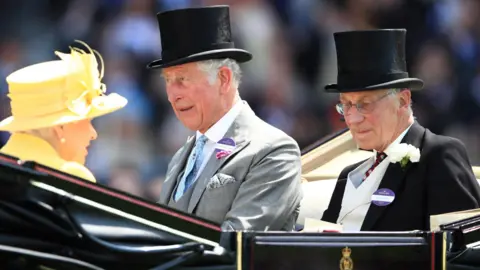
294	57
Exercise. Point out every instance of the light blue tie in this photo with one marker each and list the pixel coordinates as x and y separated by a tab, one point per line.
194	162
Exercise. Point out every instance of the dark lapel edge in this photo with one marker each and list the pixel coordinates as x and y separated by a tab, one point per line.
333	211
394	177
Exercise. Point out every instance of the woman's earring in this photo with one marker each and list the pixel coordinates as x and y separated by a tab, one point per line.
62	140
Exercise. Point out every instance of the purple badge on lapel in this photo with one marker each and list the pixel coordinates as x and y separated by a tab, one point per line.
383	197
224	147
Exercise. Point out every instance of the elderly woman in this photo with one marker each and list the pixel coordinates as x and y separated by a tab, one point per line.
52	107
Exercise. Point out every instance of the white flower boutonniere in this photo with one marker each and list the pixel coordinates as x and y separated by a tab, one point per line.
404	153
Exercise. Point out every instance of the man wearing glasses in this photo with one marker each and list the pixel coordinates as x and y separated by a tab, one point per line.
412	173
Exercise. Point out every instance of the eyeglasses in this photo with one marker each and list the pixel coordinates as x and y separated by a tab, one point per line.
362	107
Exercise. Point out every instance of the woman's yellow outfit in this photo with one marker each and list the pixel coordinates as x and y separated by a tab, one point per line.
32	148
55	93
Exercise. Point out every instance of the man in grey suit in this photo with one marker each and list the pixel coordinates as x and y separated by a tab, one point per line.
237	170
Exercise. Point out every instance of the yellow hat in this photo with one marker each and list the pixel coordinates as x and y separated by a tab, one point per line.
59	92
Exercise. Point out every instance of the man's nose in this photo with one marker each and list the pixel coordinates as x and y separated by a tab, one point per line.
353	116
173	94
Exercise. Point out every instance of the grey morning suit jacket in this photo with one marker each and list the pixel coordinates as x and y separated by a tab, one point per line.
256	187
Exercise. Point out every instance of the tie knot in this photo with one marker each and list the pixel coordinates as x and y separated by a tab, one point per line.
381	156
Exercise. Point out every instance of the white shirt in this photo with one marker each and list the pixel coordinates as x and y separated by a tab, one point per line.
216	132
357	196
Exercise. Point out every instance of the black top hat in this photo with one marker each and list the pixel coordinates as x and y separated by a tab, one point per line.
196	34
372	60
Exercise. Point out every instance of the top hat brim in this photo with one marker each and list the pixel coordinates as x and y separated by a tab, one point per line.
238	55
410	83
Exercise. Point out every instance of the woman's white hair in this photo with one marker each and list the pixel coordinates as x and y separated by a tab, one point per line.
211	67
48	134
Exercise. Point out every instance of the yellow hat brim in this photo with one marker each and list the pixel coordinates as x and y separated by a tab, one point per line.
113	103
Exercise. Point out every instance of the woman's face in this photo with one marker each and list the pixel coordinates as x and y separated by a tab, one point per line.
74	139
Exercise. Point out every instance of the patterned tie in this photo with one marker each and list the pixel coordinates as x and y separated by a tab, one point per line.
380	157
193	165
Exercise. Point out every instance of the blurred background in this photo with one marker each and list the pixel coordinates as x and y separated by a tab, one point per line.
294	57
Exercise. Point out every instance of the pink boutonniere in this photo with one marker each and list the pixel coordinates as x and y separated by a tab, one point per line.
222	154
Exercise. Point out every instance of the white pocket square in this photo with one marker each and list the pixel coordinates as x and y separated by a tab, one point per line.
219	180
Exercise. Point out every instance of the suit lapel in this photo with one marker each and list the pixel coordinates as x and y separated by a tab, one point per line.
394	177
333	210
238	131
177	165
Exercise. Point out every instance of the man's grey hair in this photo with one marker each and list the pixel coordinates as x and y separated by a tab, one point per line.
396	91
211	67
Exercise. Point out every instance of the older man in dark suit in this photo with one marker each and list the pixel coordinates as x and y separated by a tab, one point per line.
413	173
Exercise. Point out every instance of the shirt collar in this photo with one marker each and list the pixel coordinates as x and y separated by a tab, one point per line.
216	132
395	142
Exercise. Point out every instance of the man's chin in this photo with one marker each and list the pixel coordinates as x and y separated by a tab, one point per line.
190	127
364	146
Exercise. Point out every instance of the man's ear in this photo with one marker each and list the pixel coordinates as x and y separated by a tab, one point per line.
225	75
405	98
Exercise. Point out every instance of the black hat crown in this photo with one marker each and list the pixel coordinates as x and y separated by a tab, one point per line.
195	34
370	60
